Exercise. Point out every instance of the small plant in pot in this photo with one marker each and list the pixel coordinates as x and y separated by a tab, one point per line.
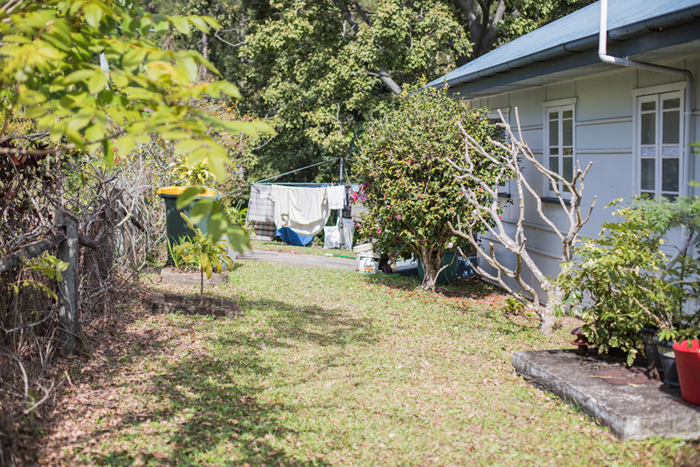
631	286
205	252
676	315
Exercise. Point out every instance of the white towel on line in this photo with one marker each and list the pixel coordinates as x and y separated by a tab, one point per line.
303	210
336	197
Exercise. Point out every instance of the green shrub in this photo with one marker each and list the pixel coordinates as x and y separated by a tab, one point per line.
623	281
412	192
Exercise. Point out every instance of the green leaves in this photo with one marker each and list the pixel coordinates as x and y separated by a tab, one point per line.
187	197
411	189
50	46
238	238
93	14
628	282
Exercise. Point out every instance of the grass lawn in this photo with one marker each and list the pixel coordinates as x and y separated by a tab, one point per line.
330	368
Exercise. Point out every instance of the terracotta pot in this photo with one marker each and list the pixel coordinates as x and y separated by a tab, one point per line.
688	366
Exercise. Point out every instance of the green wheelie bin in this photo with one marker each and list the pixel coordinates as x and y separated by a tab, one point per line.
175	225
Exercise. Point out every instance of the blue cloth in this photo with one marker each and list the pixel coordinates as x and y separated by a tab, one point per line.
292	238
466	268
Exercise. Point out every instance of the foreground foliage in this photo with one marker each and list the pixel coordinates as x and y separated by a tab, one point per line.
49	75
623	281
372	374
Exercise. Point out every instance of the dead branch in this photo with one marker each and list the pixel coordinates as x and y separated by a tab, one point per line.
508	158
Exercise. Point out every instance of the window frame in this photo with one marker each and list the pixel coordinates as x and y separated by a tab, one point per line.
561	106
658	94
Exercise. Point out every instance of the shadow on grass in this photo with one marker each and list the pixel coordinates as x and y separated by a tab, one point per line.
210	407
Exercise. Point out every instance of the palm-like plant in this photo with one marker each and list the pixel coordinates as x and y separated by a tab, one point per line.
207	253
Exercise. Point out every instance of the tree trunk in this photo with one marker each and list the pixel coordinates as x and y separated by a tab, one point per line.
548	312
431	260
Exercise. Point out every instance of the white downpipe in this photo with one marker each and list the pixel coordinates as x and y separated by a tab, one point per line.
688	106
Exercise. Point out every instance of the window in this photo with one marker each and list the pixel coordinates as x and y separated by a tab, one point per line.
493	119
559	144
658	143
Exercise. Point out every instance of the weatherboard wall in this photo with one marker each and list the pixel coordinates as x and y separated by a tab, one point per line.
603	135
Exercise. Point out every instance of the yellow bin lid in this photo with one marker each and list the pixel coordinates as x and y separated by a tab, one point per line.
178	190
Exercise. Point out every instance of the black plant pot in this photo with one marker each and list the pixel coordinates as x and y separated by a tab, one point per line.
668	362
652	352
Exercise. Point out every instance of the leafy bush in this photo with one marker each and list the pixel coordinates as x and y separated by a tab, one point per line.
203	251
623	281
412	192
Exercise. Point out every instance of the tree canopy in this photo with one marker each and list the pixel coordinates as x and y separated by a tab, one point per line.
321	68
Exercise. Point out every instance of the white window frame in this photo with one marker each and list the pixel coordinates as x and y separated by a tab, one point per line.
561	106
658	94
492	115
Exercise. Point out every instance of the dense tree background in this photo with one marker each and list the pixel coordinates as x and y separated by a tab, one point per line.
319	69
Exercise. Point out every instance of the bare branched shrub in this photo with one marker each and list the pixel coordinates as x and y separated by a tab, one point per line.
509	159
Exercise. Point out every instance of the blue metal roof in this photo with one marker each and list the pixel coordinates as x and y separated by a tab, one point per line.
576	32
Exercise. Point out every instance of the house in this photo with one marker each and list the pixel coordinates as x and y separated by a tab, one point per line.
625	99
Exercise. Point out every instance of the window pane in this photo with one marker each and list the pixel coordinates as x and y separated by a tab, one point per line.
672	127
567	114
669	175
553	115
649	152
554	164
568	169
648	174
554	133
670	151
568	151
648	105
672	104
567	132
553	151
648	128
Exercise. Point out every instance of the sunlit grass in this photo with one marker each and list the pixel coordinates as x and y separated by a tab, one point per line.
333	367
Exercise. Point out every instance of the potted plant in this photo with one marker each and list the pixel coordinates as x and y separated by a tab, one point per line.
205	252
633	286
688	366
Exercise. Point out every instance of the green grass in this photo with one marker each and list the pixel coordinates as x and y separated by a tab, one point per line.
337	368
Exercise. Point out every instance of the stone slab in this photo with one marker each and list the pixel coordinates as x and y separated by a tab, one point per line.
172	276
627	400
191	305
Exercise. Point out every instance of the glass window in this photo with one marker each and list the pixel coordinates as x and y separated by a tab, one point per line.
560	145
659	137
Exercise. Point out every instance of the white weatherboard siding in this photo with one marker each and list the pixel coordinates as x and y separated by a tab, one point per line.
604	120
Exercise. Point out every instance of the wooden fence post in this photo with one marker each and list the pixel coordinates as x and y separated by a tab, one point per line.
68	251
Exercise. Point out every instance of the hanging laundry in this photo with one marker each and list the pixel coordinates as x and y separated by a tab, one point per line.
348	232
332	237
347	210
292	238
260	207
265	231
303	210
336	197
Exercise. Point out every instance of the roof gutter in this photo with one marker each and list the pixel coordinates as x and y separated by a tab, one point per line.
626	62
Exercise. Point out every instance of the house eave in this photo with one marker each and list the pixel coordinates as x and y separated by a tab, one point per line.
665	31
